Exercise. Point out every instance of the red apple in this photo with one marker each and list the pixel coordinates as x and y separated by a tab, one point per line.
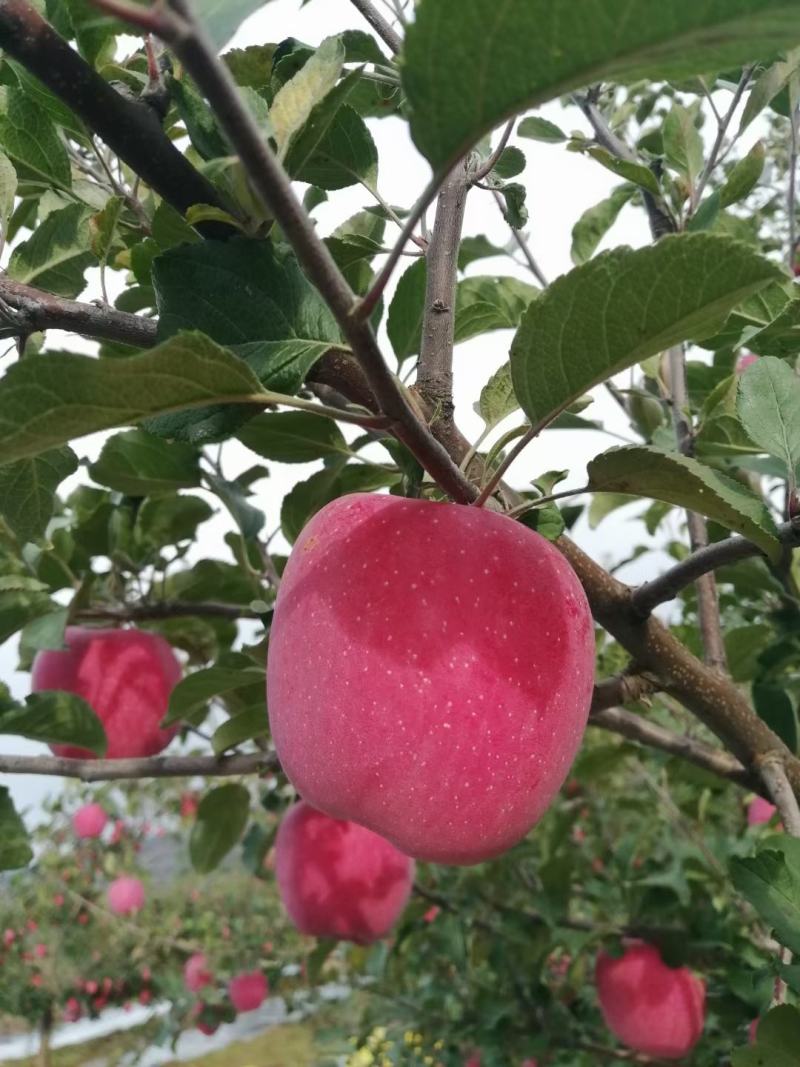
744	361
650	1007
752	1031
204	1022
196	973
126	896
474	1060
72	1010
430	673
126	676
248	991
759	811
89	821
337	879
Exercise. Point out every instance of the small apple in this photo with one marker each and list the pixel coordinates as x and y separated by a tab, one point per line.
126	676
205	1021
248	991
196	973
337	879
759	811
752	1031
126	896
430	673
650	1007
89	821
747	359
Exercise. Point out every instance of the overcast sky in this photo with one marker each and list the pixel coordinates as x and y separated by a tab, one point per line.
561	185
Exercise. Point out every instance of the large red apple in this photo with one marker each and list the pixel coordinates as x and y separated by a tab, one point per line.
126	676
337	879
650	1007
430	673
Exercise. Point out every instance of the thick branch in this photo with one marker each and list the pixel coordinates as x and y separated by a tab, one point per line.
114	770
129	127
435	374
622	689
274	189
379	24
35	310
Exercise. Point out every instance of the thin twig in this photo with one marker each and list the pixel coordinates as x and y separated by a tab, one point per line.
115	770
487	167
523	245
379	24
707	597
791	199
722	129
491	486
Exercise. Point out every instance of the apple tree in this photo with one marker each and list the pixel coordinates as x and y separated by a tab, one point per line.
439	654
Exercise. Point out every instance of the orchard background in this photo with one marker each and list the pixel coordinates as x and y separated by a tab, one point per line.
280	282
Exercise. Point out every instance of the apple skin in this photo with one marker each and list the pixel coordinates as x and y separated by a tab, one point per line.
126	895
430	673
196	973
759	811
337	879
650	1007
89	821
126	676
248	991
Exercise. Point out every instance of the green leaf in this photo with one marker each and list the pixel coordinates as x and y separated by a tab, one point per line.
547	521
220	823
623	307
771	882
515	211
250	723
769	408
293	437
625	168
745	176
30	139
594	224
8	190
781	337
137	463
490	302
771	82
511	163
774	706
642	471
27	491
91	29
470	64
47	400
249	519
497	399
15	850
165	520
539	129
56	256
474	248
195	690
777	1041
244	295
295	101
55	718
46	632
344	156
222	18
308	497
683	145
407	311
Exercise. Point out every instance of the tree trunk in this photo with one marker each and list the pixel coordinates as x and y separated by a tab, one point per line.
45	1030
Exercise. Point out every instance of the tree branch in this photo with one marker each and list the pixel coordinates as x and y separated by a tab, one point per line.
379	24
522	245
435	372
622	689
33	310
722	128
129	127
733	549
115	770
274	189
774	774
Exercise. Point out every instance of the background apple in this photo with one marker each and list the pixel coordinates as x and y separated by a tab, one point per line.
248	991
125	895
338	879
196	973
437	689
126	676
759	811
650	1007
89	821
